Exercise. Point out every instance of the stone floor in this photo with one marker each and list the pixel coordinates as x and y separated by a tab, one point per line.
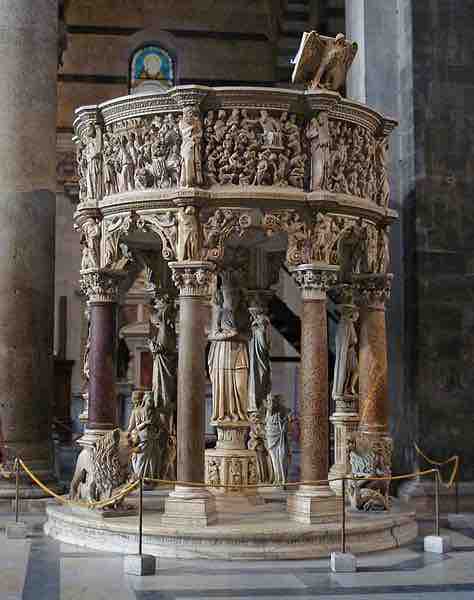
42	569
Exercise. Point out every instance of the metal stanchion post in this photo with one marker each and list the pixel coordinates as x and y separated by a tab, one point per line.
343	540
17	489
439	544
456	492
343	561
16	530
140	564
140	517
436	476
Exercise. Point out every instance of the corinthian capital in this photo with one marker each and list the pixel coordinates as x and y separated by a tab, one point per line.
373	290
100	286
193	278
315	279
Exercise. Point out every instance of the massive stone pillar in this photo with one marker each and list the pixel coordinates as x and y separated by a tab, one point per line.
314	503
382	76
101	289
28	44
187	504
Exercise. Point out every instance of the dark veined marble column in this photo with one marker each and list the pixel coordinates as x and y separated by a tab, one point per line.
101	289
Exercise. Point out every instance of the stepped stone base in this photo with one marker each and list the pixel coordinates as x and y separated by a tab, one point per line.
262	532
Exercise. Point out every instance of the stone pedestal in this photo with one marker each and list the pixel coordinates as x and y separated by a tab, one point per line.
345	421
314	503
27	223
343	562
438	544
230	463
188	504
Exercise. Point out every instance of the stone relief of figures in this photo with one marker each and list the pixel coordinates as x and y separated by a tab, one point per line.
260	381
253	147
190	127
162	344
362	248
142	153
323	62
144	435
346	369
276	433
369	458
228	354
102	469
213	477
381	173
90	241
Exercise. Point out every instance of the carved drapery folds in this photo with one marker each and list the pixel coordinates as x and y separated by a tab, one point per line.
253	147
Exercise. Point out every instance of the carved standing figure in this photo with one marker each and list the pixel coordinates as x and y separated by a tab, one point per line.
318	134
162	344
92	154
276	431
190	128
228	359
260	382
346	370
144	432
91	244
189	234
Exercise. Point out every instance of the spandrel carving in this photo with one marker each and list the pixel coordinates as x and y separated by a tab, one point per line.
253	147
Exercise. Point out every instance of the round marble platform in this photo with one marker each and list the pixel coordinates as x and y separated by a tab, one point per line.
260	532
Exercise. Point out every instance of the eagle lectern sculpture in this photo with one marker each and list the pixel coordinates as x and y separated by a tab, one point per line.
323	62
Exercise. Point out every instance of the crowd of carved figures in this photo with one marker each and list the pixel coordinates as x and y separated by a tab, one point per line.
251	147
235	146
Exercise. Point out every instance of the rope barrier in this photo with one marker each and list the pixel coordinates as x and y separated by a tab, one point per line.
91	504
431	461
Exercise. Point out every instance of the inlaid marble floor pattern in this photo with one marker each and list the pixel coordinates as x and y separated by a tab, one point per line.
42	569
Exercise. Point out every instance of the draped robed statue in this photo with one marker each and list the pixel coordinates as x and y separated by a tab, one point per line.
346	370
228	355
260	383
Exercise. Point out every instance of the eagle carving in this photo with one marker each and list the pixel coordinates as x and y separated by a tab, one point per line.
323	62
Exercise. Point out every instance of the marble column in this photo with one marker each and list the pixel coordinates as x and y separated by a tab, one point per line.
28	44
188	505
374	409
314	503
101	289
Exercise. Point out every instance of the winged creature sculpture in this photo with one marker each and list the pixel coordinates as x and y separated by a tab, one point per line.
323	62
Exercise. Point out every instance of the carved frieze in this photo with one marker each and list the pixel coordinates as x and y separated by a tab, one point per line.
253	147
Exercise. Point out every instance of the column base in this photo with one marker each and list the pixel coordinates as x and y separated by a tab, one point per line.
313	504
194	507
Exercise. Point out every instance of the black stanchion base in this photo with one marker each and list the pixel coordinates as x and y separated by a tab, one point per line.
139	564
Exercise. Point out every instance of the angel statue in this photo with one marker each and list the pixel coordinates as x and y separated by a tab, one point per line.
323	62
